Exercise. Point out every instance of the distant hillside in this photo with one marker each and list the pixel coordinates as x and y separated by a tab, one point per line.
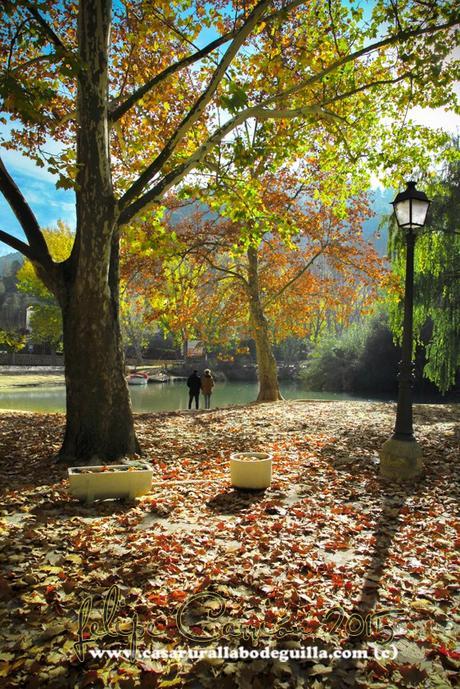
13	304
10	263
380	202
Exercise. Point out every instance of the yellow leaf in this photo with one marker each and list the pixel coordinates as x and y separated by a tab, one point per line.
171	682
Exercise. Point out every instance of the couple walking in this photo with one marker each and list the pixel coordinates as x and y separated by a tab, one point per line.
196	385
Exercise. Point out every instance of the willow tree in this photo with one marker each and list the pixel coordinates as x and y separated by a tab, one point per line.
135	105
437	278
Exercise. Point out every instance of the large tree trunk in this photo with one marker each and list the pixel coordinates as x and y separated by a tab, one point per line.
99	418
266	364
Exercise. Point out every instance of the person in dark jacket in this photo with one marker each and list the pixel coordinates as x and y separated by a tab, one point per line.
194	387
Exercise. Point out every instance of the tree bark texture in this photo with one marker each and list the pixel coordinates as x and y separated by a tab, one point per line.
266	364
99	417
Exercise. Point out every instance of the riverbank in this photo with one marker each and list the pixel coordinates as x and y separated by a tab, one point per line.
328	534
27	379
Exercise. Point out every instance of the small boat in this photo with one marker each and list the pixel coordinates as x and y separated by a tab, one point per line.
159	378
138	379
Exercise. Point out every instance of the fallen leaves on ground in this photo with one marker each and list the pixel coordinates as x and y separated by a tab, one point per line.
310	562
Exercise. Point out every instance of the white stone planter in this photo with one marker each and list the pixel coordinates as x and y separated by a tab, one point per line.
121	481
251	470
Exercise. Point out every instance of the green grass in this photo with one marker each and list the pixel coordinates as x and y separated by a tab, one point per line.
30	380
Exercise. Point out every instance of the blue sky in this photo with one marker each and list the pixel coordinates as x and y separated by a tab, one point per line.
38	186
51	204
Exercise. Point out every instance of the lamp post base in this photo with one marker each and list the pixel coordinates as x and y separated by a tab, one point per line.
400	459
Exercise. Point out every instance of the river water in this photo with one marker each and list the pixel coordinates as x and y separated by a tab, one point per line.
157	396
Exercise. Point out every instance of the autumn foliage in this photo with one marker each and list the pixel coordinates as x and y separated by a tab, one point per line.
314	268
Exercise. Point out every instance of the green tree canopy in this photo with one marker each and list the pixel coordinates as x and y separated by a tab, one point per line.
46	318
437	276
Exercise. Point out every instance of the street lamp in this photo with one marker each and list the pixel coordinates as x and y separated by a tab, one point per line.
401	456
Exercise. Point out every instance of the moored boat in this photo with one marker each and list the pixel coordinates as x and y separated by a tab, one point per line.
138	379
159	378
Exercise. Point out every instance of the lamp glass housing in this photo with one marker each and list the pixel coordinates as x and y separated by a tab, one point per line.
419	212
411	208
402	212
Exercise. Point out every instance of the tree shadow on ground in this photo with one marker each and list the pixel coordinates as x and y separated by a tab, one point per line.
22	473
430	414
65	509
365	614
392	497
234	501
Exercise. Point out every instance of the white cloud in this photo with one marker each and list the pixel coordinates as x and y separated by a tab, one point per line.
39	188
16	162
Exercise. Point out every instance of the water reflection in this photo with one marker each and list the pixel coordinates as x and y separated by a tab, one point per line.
157	396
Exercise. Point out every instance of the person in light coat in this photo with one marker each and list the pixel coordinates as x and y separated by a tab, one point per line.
207	384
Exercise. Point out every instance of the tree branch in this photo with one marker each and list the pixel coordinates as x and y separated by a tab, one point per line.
199	107
331	17
37	245
294	279
364	87
261	112
227	271
118	111
292	113
170	24
391	40
179	172
47	29
40	58
17	245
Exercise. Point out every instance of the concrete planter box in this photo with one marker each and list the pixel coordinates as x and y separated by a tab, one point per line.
112	481
251	470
